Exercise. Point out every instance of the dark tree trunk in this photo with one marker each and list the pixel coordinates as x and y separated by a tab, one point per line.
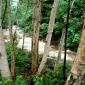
66	29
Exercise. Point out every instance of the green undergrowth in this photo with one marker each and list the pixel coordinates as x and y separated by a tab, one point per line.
23	64
22	59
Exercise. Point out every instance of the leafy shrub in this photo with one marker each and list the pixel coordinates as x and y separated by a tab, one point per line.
38	80
22	59
22	62
43	30
51	77
19	81
6	82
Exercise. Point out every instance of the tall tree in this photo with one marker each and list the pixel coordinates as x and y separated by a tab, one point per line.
62	40
72	4
49	35
11	39
5	72
23	38
24	23
60	48
77	76
35	35
66	29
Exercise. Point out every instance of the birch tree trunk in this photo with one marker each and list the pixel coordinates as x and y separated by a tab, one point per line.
35	35
61	46
4	67
23	38
11	39
49	35
24	21
72	4
77	76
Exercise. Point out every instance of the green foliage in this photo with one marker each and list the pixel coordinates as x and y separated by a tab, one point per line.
74	33
23	13
51	77
38	80
6	82
19	81
60	22
24	19
22	59
79	8
43	30
4	15
46	6
22	63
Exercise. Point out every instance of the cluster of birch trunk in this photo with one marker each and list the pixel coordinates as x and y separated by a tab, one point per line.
78	68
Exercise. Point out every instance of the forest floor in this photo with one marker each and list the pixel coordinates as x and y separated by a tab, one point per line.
53	50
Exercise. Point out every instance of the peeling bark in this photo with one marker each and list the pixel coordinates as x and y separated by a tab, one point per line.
35	34
77	76
49	35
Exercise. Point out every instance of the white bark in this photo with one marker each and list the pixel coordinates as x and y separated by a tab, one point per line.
4	67
61	45
78	68
49	35
72	4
